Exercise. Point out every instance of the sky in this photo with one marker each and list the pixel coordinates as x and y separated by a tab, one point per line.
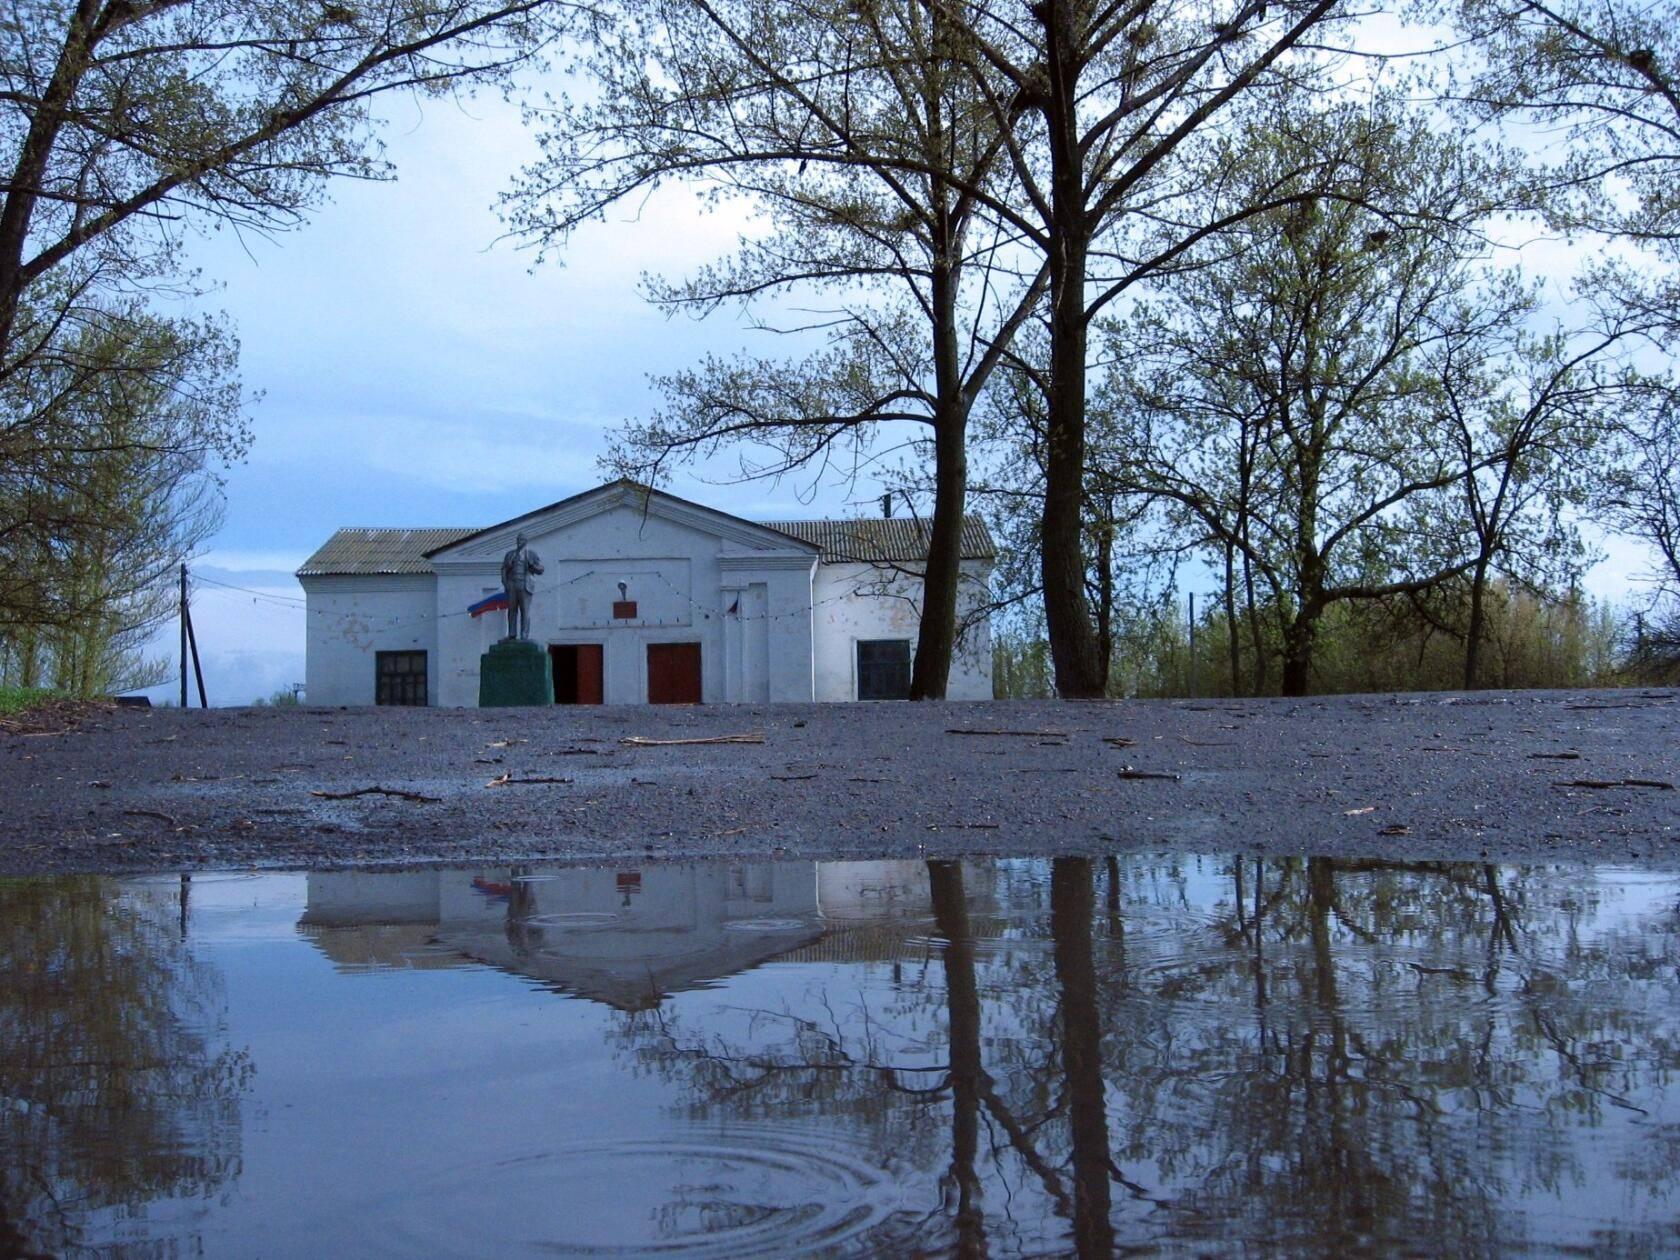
412	367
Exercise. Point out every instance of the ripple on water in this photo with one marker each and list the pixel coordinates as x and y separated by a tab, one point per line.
734	1194
768	925
577	920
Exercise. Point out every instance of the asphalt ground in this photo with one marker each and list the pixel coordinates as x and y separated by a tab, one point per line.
1505	776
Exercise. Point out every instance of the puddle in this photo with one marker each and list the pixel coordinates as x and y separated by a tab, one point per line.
1011	1058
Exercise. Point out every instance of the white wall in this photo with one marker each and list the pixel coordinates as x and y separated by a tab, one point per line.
860	601
351	618
684	581
772	624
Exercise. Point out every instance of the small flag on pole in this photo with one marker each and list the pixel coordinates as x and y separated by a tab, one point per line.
490	603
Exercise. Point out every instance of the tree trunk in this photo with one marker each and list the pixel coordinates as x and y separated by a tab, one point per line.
936	639
1081	673
1478	623
1232	633
28	174
1300	638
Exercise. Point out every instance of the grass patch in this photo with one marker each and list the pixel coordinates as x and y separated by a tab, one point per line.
23	699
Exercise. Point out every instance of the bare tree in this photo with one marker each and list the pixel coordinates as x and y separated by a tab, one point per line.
1324	399
861	136
1100	98
122	125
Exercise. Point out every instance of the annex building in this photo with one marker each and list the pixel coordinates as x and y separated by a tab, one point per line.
644	598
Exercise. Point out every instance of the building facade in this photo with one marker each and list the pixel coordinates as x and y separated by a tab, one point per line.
644	598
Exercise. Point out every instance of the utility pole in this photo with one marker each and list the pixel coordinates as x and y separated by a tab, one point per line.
189	643
1192	646
183	634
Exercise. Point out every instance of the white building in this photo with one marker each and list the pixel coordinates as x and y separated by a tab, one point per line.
644	597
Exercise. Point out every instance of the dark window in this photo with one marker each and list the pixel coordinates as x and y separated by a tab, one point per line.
624	610
883	667
401	678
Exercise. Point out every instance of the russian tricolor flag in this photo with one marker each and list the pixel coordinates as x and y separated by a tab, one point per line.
490	603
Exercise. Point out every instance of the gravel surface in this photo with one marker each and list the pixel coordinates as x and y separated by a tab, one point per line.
1504	775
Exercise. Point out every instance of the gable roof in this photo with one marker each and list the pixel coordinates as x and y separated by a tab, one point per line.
890	540
379	551
363	551
623	492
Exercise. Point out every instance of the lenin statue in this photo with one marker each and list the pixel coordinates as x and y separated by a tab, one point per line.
519	567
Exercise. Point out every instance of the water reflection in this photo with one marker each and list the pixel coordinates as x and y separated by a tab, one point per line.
971	1059
111	1093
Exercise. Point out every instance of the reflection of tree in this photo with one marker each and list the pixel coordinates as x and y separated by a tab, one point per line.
968	1075
1418	1057
110	1095
1071	904
1314	1054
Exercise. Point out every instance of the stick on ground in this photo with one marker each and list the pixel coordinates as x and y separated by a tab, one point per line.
645	741
376	791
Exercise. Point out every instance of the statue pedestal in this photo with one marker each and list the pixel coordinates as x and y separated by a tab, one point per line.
514	672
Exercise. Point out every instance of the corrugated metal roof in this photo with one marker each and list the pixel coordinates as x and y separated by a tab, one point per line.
894	541
379	551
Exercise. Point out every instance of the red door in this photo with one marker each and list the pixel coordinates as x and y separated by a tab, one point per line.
673	673
577	672
589	673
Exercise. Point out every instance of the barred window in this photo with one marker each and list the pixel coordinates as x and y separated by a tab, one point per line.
400	678
883	669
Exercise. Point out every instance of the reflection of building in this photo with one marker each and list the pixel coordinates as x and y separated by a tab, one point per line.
626	937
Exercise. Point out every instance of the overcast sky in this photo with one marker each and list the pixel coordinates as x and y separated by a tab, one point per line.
415	370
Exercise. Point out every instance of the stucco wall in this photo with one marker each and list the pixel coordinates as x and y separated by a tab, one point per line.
772	623
684	582
351	618
859	601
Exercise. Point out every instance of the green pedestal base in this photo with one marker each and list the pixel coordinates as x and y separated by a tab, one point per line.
516	672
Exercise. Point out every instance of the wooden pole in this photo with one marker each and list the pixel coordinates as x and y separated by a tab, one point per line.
183	635
198	672
1192	645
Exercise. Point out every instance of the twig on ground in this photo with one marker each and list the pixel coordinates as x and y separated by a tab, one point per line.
646	741
376	790
507	780
1614	783
792	778
1557	756
979	730
1127	772
1119	741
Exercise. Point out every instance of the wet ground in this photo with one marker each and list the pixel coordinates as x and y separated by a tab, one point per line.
1160	1054
1513	775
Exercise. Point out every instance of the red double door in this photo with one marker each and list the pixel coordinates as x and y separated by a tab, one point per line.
577	672
673	672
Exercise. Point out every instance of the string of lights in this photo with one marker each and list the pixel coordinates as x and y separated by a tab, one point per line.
697	607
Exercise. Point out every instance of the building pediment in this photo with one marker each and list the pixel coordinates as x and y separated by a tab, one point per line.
737	536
